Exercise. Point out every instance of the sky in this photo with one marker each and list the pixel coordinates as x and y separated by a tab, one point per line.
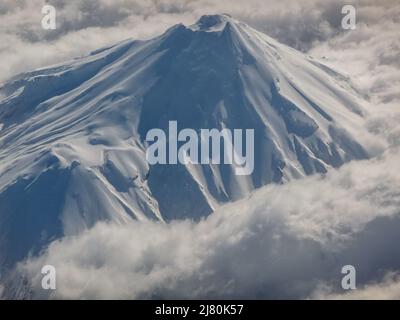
285	241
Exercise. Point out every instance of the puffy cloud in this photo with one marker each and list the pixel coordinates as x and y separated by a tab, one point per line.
370	54
377	73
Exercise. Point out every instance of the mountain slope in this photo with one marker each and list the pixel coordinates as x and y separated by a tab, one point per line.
72	136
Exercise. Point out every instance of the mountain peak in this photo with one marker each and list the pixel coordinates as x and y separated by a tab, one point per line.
75	133
216	22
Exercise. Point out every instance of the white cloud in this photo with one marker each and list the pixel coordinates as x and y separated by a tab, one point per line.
369	56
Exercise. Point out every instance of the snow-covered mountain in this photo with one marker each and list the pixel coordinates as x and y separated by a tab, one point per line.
72	136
